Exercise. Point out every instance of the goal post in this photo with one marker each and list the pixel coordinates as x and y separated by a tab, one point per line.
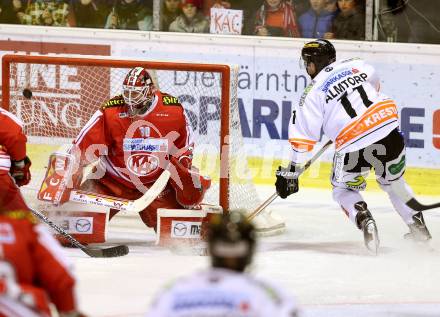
56	95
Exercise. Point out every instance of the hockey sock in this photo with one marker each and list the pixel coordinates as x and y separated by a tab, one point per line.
399	205
347	198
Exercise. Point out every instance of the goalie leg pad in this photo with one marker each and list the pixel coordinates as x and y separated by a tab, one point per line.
166	200
85	223
184	229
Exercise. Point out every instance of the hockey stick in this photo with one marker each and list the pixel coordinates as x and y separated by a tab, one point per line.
111	252
123	204
409	199
417	206
301	170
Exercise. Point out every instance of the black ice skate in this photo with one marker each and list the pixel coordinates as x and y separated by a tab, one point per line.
418	230
366	223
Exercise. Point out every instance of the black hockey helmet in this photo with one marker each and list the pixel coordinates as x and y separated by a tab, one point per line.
231	241
320	52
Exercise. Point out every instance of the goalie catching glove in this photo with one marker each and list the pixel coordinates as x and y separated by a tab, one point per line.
189	185
20	171
287	181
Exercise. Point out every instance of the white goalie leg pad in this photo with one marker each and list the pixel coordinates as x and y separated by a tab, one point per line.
183	230
346	198
86	223
399	192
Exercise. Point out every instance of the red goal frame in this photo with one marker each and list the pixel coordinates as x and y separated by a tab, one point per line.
223	69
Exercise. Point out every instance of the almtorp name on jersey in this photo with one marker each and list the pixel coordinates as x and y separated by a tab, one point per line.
145	145
333	91
345	103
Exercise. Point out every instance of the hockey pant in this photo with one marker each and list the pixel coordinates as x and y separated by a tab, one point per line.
109	186
350	170
10	195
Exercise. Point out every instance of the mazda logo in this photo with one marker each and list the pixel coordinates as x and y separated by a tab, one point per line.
180	229
82	225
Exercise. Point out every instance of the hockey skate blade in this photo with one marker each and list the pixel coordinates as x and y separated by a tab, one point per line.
371	238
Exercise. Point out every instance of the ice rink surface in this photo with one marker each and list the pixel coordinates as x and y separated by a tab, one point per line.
320	259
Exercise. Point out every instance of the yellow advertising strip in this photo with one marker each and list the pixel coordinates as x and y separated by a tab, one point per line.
424	181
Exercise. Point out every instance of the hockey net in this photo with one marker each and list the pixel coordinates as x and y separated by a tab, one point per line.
55	97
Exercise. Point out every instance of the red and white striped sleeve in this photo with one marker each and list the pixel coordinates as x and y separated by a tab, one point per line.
12	139
91	134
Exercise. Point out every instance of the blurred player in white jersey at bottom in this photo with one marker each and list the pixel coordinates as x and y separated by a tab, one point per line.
225	290
344	101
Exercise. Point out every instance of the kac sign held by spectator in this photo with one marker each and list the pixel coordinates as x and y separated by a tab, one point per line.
226	21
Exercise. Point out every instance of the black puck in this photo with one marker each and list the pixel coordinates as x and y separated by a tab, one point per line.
27	93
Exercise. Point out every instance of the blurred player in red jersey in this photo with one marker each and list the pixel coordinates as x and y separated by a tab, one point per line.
14	164
133	137
34	272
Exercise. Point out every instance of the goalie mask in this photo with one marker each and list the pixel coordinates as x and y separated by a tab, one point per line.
231	241
138	91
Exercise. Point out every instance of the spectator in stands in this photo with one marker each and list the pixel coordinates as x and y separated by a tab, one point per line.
276	18
317	21
248	8
130	15
349	24
191	20
208	4
410	21
170	11
11	11
49	13
90	13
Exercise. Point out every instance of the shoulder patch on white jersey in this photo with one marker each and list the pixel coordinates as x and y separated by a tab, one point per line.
305	92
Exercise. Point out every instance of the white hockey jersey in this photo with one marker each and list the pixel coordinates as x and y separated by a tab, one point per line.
344	102
225	293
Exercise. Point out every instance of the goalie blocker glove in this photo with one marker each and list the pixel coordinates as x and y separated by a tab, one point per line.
189	184
287	181
20	171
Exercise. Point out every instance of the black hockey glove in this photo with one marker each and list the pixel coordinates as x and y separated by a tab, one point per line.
286	184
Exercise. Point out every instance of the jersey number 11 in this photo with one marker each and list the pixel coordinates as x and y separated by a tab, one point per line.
347	104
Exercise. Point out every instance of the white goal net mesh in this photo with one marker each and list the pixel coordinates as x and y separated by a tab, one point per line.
55	101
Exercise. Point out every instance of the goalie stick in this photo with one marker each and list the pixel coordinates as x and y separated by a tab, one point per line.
268	201
123	204
110	252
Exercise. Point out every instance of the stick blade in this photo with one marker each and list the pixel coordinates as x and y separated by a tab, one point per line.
417	206
152	193
112	252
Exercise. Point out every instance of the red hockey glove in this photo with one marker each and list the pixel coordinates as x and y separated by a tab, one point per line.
20	171
189	185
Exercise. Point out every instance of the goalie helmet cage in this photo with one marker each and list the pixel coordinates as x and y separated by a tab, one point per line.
56	95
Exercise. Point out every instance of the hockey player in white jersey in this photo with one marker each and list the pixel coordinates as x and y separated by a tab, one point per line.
344	101
225	290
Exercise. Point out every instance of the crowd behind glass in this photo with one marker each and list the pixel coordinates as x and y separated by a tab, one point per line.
415	21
